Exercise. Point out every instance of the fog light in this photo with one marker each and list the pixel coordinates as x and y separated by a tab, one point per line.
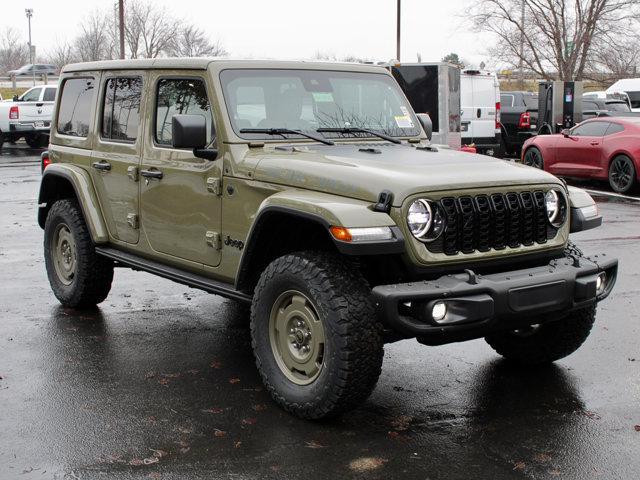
439	311
601	282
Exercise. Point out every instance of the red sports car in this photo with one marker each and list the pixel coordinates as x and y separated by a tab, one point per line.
606	148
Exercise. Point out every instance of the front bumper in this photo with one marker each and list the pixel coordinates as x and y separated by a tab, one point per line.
478	305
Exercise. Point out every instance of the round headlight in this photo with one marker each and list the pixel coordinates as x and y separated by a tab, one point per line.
419	218
553	205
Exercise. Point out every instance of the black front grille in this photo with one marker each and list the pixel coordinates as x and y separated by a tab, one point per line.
496	221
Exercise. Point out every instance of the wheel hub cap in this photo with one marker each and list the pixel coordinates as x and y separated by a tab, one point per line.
63	249
297	337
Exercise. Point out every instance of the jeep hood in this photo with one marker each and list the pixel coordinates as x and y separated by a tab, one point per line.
350	170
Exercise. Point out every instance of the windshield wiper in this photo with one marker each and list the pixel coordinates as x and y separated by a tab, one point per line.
358	130
285	131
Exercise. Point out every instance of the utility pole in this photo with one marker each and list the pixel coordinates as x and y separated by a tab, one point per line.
121	22
521	66
29	12
398	22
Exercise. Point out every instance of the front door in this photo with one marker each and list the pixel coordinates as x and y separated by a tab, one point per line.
180	196
115	159
581	151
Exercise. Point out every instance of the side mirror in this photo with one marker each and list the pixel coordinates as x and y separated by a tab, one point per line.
427	124
15	98
190	131
565	133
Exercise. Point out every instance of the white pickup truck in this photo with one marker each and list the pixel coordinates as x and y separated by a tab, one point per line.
28	116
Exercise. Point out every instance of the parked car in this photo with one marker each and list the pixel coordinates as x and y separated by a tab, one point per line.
597	107
311	192
33	69
28	116
519	119
601	148
630	86
480	108
604	95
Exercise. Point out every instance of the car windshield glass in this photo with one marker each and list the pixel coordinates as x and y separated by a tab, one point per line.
635	99
307	100
530	101
618	107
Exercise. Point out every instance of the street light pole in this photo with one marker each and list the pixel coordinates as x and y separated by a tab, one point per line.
398	22
29	12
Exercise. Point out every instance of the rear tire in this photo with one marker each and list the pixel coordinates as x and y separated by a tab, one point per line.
79	277
35	141
1	140
317	342
545	343
622	174
533	158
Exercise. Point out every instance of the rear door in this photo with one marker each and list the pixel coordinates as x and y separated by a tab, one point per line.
580	154
467	108
116	154
484	98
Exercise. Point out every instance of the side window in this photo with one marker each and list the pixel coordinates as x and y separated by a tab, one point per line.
180	96
590	129
614	128
32	95
74	113
506	100
49	95
121	109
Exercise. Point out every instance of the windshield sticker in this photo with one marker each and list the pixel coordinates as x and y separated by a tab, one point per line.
322	97
405	110
403	121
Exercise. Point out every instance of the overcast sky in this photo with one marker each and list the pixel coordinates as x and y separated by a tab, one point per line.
287	28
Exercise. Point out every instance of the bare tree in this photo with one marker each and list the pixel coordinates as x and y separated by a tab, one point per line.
93	43
191	41
554	38
13	51
61	54
149	29
613	61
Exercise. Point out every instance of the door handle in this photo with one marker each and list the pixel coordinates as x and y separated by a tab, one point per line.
151	174
101	165
595	143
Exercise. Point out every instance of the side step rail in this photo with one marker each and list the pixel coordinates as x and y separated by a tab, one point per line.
189	279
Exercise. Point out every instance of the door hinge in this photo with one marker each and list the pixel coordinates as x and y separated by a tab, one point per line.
214	185
132	220
132	173
213	240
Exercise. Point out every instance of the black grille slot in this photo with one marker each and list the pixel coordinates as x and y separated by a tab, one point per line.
495	221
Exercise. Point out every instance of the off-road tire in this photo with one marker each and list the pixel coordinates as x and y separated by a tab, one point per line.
93	274
353	336
548	342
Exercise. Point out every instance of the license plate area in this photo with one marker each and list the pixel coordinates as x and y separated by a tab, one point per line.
536	297
39	124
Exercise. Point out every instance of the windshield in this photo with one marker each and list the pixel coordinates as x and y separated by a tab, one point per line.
618	107
306	100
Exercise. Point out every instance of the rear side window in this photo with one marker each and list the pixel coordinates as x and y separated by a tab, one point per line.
530	101
591	129
506	100
180	96
74	114
614	128
121	109
49	95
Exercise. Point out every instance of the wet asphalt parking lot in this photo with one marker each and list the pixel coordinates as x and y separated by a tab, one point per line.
160	383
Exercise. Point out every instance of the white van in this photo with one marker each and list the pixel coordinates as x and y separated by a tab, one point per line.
480	116
631	86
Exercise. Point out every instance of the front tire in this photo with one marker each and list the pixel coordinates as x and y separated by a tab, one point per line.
533	158
622	174
545	343
317	342
79	277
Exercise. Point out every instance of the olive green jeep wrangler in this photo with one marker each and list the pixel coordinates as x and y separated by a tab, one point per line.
311	192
